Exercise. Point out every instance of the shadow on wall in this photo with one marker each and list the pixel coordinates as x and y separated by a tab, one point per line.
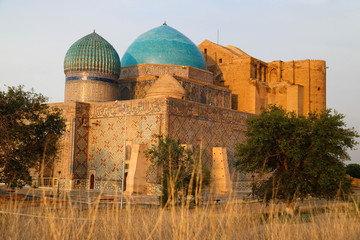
218	78
127	89
213	67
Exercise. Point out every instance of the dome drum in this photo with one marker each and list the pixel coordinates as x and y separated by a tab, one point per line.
91	91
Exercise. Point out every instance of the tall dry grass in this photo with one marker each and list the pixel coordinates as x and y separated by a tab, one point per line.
232	220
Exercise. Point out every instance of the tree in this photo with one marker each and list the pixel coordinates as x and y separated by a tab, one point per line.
177	169
29	135
301	155
353	169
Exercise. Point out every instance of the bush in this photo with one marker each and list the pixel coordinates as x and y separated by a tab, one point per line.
353	170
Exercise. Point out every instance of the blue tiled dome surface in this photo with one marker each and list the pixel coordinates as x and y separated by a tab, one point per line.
164	45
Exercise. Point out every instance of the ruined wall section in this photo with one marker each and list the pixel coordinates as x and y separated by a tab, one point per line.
255	84
242	73
311	74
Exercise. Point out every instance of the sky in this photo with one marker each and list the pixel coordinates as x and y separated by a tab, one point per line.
35	35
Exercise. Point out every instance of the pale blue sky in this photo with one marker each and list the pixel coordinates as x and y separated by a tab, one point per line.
35	35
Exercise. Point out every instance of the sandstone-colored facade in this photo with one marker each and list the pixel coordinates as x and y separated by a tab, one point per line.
298	86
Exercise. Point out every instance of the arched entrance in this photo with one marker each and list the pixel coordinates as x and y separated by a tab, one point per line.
92	181
125	94
273	76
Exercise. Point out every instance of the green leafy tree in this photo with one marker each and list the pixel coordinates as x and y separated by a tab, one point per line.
29	135
177	169
353	169
301	155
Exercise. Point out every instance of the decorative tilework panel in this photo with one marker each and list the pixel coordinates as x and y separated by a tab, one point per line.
80	164
107	139
134	107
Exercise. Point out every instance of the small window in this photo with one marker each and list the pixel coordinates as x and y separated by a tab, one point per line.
203	97
125	94
205	50
127	152
260	69
220	60
318	88
264	74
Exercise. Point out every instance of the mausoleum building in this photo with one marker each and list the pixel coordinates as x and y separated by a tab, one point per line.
165	84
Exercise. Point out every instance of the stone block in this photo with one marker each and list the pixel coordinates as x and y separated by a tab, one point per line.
295	98
136	178
220	174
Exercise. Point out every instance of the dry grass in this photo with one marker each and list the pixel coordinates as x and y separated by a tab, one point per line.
233	220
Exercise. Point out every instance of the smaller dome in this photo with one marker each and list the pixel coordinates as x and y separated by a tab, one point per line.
92	53
166	86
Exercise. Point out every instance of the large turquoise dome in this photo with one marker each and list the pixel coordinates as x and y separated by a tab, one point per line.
92	53
164	45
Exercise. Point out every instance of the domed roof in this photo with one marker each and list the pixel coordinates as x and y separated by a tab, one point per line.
164	45
92	53
166	86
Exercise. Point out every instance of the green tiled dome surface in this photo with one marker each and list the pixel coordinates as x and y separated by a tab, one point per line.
92	53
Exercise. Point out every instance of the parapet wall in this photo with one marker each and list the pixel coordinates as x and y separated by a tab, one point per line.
196	91
161	69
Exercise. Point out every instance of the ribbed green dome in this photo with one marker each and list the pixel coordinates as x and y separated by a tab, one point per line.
92	53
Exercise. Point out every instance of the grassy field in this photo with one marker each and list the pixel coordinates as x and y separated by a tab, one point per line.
50	219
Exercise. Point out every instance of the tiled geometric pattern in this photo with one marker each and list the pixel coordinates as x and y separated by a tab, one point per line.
81	150
131	107
206	125
80	163
106	142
